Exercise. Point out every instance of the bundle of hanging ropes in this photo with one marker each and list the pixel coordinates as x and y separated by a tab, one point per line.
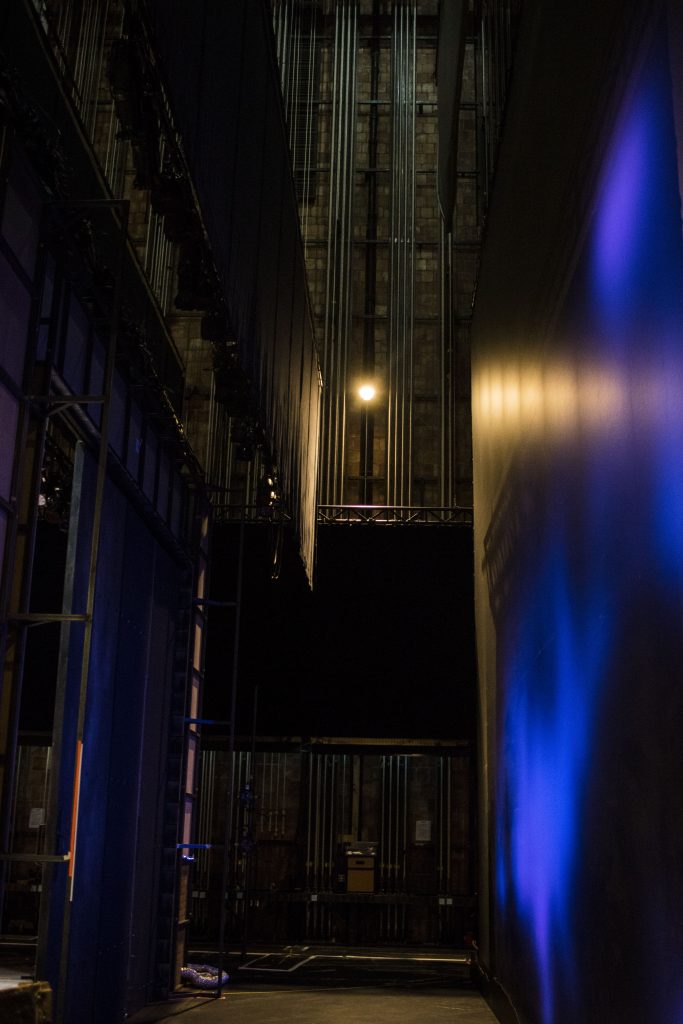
202	976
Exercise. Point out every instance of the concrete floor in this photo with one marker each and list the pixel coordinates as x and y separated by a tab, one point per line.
324	985
315	985
300	1005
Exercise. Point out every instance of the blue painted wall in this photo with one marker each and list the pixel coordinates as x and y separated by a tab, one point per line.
579	464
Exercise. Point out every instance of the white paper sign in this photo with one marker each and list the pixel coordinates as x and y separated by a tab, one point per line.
423	831
36	817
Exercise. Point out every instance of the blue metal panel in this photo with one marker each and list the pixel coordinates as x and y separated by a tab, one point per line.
76	349
111	954
97	961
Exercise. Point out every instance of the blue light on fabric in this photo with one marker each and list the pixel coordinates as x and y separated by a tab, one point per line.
609	525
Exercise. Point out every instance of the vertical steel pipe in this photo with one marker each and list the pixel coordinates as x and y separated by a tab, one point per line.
449	826
318	812
230	831
439	826
309	828
392	824
323	822
405	821
382	844
410	238
333	816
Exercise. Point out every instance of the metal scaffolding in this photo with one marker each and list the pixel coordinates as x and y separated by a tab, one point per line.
392	287
309	803
65	217
381	269
394	515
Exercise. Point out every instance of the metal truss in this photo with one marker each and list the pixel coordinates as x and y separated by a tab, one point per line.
350	515
394	515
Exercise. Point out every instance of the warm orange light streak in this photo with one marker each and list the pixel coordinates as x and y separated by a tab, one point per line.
74	814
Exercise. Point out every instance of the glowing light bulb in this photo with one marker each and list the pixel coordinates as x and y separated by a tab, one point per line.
366	392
